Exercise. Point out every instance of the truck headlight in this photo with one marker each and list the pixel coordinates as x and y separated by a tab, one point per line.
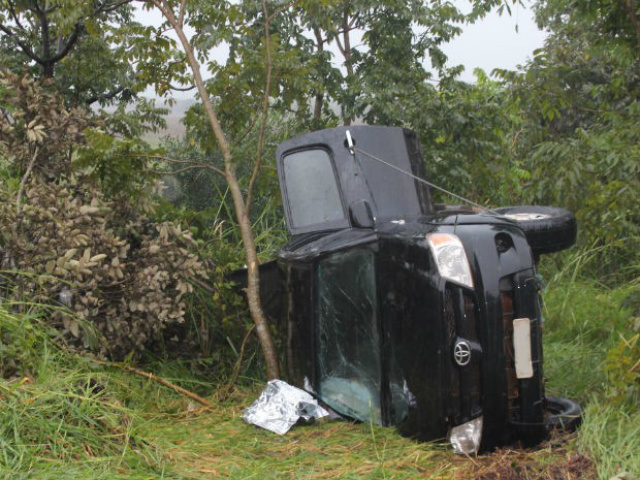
450	258
465	438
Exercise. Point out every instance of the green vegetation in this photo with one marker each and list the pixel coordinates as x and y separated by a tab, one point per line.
72	416
588	342
81	215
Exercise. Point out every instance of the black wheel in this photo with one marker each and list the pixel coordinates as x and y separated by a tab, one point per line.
548	229
562	413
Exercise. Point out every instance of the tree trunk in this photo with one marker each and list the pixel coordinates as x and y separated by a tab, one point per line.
47	65
253	287
347	54
253	284
631	11
317	110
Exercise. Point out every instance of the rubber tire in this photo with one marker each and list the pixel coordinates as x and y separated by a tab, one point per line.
564	414
556	232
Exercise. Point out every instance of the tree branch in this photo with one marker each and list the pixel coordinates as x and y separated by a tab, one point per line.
52	8
265	107
339	43
181	89
161	381
353	21
631	11
181	13
347	52
36	5
317	109
7	116
14	15
107	96
238	365
73	38
248	130
280	9
23	182
46	41
23	46
166	11
175	172
203	285
192	164
108	8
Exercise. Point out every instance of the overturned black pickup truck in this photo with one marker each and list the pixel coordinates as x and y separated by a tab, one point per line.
402	312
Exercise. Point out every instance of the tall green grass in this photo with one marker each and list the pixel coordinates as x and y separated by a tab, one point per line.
63	416
584	322
611	435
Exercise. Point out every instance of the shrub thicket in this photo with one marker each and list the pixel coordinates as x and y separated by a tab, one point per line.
123	277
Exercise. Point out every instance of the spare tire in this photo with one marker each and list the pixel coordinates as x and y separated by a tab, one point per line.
562	413
548	229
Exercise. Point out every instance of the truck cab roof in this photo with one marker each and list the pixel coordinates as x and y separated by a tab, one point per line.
330	183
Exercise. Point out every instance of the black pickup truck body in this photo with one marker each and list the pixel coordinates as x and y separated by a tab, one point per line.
400	312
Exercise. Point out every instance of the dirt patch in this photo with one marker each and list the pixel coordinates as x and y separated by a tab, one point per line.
553	460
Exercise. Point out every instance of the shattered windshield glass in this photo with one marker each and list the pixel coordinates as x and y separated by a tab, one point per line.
348	336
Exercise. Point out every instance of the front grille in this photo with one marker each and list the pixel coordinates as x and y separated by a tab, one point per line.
460	314
508	315
470	314
450	329
471	323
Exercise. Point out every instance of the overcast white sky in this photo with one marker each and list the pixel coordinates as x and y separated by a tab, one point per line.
490	43
494	43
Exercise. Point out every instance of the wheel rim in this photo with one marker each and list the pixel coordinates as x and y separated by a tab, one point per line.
526	217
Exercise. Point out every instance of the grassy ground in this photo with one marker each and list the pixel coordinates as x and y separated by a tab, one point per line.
219	446
71	418
91	435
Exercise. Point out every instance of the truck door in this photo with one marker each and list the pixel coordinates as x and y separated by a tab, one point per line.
348	335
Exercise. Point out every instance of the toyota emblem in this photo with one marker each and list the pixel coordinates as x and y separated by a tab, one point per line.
462	353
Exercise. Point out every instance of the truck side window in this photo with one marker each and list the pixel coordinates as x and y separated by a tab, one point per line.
312	190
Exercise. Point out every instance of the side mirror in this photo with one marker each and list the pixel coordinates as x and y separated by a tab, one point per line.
361	215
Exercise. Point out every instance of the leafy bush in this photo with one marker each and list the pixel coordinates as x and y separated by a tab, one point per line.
123	277
127	277
37	133
580	142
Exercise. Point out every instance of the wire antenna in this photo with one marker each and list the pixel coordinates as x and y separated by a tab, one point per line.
422	180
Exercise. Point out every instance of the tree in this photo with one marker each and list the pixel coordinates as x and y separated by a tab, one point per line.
388	52
79	44
579	99
177	16
340	59
616	21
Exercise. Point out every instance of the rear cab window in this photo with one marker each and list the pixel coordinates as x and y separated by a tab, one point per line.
313	195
